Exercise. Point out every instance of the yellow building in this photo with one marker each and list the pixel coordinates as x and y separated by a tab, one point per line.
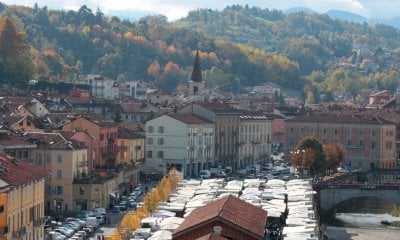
4	188
64	160
90	193
130	146
25	198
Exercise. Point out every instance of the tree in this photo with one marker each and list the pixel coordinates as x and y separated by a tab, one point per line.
334	155
117	117
16	66
309	154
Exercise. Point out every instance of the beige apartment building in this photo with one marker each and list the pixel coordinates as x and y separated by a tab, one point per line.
254	138
369	142
64	160
25	199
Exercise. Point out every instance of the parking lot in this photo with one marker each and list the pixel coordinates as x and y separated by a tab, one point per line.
97	223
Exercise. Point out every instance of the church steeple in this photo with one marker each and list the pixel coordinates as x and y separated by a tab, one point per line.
196	74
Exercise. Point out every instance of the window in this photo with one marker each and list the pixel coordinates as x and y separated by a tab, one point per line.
349	142
59	190
150	141
150	129
48	189
59	174
81	191
28	123
161	141
324	131
59	158
160	154
361	143
389	145
291	129
96	191
49	158
1	208
149	154
373	133
160	129
336	131
302	130
102	137
372	144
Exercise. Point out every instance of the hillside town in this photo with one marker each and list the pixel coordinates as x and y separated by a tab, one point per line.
63	155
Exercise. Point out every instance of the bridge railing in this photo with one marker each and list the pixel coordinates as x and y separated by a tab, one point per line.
386	186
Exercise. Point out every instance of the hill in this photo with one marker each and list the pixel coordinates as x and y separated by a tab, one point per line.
239	47
347	16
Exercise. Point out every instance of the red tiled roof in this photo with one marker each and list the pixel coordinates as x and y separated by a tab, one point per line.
189	118
16	172
217	107
245	216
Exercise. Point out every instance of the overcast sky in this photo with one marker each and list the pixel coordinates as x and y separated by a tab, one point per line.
175	9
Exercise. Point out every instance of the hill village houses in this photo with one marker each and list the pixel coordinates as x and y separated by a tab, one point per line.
83	150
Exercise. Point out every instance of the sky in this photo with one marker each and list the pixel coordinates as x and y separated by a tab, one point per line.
175	9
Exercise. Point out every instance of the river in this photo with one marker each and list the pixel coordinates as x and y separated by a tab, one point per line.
361	220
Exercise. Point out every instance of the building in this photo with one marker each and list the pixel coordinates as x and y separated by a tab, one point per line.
158	97
268	89
226	137
25	198
196	84
229	217
105	133
89	193
183	141
130	154
4	189
16	147
254	138
369	141
135	112
101	87
64	160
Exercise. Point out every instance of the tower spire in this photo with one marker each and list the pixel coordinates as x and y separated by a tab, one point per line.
196	74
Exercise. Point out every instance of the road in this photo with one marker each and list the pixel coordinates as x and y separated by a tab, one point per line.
115	218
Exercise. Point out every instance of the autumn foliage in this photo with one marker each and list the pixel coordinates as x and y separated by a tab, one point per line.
131	221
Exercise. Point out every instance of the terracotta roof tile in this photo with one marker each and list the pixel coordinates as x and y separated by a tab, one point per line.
16	172
245	216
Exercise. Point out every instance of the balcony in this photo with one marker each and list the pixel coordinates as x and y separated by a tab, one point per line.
3	230
18	234
351	146
82	163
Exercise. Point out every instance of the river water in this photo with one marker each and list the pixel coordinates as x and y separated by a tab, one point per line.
361	220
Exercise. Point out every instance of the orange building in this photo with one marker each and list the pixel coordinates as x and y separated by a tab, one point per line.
4	188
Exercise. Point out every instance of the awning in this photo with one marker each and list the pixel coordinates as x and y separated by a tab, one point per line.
112	194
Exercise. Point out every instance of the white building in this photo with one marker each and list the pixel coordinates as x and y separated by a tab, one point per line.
254	139
183	141
268	89
101	87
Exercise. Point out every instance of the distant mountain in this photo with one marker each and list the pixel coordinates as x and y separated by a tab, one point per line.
394	21
347	16
299	9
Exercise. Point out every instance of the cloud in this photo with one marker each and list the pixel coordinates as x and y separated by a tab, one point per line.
175	9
